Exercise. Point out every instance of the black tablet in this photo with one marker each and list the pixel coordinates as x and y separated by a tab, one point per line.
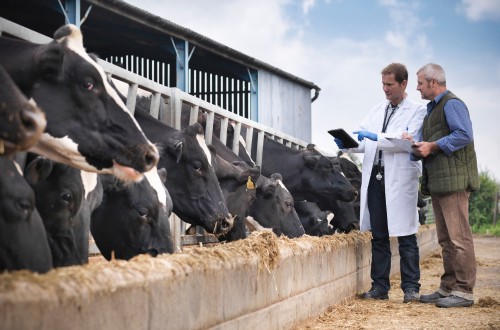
346	139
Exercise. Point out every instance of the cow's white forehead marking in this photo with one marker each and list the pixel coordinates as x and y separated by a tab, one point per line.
18	168
203	145
330	216
75	43
89	181
282	185
155	182
244	144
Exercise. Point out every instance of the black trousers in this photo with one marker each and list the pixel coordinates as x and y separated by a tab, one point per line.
381	247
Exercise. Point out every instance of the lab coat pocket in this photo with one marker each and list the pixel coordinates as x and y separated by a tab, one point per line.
408	179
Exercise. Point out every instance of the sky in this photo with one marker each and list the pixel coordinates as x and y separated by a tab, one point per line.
342	45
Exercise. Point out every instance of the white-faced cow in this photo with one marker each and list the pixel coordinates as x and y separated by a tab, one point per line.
65	198
21	121
88	125
191	181
23	241
133	217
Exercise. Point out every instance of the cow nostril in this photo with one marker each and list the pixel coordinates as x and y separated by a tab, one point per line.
227	223
32	121
151	157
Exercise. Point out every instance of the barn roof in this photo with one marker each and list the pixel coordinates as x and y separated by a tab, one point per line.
116	28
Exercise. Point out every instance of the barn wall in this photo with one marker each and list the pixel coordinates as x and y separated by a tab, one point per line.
262	282
284	105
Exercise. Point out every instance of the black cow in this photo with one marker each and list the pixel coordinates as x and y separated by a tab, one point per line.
88	125
191	179
133	217
21	121
315	221
273	207
307	174
23	241
273	202
65	198
237	182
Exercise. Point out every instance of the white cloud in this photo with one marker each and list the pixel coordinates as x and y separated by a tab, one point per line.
307	5
479	10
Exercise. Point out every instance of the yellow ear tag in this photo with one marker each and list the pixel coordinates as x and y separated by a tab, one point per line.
250	184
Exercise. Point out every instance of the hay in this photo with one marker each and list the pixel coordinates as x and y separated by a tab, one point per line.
393	314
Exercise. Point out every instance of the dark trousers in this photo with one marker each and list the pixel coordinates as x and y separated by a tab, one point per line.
381	247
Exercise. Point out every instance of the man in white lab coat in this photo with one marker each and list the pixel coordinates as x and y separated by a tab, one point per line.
389	188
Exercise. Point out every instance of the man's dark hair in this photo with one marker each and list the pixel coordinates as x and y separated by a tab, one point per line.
399	70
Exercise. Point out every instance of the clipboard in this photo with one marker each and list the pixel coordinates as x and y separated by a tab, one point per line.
347	140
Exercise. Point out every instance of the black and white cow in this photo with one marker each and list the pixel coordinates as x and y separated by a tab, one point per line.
273	207
23	241
133	217
65	198
315	221
273	202
88	125
21	121
191	181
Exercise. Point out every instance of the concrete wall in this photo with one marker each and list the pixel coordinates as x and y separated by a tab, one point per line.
263	282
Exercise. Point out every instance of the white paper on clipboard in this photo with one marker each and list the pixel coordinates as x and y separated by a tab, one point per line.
402	144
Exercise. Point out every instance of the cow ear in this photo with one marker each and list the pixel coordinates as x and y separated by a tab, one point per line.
49	60
276	176
311	160
162	173
212	149
176	150
38	170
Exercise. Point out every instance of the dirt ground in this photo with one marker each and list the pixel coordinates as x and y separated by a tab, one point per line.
393	314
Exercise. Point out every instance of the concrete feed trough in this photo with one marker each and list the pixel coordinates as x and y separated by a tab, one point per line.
260	282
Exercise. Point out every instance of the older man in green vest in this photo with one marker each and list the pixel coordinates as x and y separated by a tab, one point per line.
449	175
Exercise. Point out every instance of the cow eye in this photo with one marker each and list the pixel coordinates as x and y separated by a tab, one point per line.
197	165
88	84
66	197
25	206
143	214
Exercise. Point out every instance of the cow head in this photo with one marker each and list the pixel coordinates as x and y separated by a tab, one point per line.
133	218
65	198
88	125
192	181
274	207
315	221
23	241
321	180
21	121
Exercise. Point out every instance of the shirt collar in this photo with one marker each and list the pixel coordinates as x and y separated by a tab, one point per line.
436	100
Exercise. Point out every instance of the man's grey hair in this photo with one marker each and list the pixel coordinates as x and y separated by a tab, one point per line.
433	71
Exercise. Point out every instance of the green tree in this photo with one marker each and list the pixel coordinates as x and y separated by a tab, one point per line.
481	202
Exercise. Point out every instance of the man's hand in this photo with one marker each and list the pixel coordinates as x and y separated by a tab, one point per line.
424	149
365	134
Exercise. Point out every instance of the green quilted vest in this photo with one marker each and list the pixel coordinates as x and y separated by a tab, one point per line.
444	174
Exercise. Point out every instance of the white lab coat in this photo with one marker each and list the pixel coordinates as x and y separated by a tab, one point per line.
401	174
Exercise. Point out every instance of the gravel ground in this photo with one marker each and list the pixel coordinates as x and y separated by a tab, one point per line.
393	314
